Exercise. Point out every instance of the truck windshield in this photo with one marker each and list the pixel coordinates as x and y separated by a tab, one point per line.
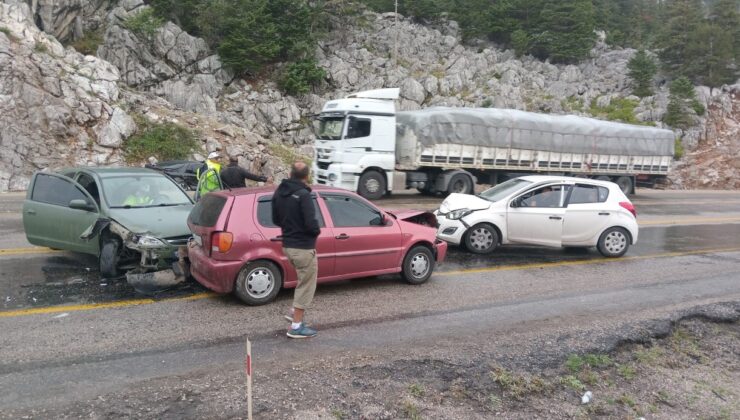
504	189
329	128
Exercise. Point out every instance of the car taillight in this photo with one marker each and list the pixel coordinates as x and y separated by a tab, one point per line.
629	207
221	241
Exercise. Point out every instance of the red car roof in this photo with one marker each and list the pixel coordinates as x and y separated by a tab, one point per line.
271	188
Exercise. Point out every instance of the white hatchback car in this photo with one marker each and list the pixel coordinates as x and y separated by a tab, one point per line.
541	210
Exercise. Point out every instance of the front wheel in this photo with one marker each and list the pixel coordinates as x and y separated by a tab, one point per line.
372	185
110	256
481	239
258	283
614	242
418	265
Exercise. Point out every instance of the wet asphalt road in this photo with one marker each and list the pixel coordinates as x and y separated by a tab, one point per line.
670	222
125	361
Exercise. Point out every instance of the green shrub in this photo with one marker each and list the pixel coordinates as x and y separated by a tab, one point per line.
40	48
5	30
619	109
165	141
299	77
487	103
678	149
89	43
145	23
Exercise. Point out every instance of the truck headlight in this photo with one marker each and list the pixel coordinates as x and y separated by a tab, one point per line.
332	177
458	214
147	241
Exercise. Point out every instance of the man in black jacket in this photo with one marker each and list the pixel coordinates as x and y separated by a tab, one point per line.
293	211
234	176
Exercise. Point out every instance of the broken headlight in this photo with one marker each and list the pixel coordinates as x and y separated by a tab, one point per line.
146	241
458	214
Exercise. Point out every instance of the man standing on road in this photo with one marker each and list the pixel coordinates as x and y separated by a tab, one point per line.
293	211
234	176
209	175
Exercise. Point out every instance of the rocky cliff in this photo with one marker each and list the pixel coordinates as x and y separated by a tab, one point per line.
60	107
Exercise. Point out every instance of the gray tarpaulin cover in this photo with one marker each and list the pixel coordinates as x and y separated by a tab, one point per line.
527	130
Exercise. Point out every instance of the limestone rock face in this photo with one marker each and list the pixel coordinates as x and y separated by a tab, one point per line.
50	98
68	19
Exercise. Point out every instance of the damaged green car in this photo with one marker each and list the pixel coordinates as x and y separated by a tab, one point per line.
133	219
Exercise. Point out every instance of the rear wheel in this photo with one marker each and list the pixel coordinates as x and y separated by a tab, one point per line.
625	184
481	239
460	184
258	283
614	242
418	265
110	255
372	185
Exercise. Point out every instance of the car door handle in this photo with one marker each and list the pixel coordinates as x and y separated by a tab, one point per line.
556	218
604	213
32	212
277	239
342	236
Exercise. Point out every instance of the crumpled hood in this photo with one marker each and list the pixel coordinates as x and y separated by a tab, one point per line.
161	222
463	201
405	214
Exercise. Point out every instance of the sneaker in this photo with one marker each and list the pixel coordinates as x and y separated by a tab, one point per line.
302	332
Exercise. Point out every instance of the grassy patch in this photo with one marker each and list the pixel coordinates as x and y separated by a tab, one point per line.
627	400
487	103
649	355
572	104
6	31
89	43
416	390
165	141
338	414
411	411
40	48
576	363
438	73
627	372
144	23
494	402
572	382
620	109
517	385
678	150
286	154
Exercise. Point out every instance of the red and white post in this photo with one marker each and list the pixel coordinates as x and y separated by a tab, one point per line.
249	379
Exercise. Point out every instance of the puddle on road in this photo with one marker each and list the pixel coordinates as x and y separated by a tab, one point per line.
67	279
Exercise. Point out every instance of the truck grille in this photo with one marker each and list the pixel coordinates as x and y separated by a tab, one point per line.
323	165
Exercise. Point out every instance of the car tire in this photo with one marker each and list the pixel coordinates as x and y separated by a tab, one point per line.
460	184
372	185
258	283
110	256
481	239
625	184
614	242
418	265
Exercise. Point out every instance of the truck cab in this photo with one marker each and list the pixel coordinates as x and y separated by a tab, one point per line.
356	140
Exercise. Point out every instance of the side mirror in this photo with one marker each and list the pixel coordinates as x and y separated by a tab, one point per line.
381	220
81	205
515	202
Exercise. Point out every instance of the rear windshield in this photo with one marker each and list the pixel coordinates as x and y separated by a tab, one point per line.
206	211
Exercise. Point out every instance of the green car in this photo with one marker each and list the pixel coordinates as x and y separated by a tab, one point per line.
131	218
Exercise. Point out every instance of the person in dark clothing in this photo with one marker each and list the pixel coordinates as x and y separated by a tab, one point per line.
293	211
234	176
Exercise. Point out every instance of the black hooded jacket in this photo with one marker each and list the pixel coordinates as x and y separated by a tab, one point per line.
293	211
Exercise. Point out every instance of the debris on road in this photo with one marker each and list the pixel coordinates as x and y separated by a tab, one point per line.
586	398
62	315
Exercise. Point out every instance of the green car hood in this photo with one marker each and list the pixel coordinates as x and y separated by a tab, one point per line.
161	222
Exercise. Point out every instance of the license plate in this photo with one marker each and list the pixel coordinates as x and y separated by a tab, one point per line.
197	239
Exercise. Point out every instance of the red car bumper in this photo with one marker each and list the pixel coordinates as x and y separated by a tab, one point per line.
216	275
440	250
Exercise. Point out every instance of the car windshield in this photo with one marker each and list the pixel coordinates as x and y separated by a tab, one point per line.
504	189
142	191
329	128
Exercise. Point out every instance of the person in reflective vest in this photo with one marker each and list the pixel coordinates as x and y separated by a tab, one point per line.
209	175
141	197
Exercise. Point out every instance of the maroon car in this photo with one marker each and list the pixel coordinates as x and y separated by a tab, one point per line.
236	247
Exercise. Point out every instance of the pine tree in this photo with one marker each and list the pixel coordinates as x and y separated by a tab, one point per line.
683	21
566	32
681	102
642	70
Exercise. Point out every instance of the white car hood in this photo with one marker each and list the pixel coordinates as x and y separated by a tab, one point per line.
463	201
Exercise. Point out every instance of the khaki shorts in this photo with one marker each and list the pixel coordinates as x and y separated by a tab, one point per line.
306	265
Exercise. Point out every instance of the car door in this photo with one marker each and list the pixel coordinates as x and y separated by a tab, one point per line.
49	218
363	243
536	217
586	215
324	243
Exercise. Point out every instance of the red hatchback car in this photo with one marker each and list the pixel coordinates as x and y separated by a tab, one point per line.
236	247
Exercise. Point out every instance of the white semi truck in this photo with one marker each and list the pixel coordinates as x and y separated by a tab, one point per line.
364	145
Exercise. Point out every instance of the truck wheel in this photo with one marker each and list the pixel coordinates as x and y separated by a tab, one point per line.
625	184
460	184
481	239
418	265
258	283
372	185
109	257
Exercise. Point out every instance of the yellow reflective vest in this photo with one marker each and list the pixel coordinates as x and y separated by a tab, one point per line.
209	180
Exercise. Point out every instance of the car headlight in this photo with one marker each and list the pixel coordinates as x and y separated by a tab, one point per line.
332	177
147	241
458	214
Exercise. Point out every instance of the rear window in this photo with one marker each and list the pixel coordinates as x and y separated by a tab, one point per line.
206	211
588	194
